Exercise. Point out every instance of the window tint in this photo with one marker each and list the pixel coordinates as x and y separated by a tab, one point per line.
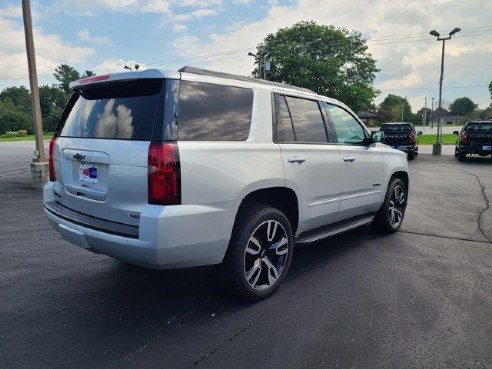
396	128
307	119
121	111
208	112
285	132
479	127
347	128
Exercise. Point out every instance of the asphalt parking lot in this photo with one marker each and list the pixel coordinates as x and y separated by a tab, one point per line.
421	298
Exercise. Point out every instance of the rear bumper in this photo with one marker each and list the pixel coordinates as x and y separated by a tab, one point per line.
474	149
404	148
168	237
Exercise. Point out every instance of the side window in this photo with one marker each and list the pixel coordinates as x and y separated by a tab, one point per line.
348	129
284	132
307	119
208	112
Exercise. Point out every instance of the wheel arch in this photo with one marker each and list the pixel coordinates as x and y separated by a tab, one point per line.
282	198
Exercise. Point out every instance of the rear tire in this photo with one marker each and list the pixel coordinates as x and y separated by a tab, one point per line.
390	216
461	156
259	253
411	155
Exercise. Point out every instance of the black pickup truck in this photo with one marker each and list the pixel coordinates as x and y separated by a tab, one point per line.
475	138
402	136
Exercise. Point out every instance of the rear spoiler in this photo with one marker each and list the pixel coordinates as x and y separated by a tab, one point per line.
121	77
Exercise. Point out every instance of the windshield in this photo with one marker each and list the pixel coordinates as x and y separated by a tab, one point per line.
396	128
121	111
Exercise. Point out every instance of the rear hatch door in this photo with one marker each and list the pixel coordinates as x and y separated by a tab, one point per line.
101	152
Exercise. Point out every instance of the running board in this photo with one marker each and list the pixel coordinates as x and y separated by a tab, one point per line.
333	229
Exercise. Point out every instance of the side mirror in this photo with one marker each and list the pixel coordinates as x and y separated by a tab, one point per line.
457	133
419	133
377	136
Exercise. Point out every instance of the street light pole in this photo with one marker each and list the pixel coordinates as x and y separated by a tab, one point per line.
436	148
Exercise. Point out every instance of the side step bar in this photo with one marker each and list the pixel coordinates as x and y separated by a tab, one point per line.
333	229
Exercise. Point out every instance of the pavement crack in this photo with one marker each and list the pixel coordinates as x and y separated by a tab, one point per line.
486	201
239	333
445	237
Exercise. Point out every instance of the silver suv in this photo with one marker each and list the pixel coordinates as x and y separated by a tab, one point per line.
180	169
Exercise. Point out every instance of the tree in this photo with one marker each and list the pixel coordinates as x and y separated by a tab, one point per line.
462	106
392	107
330	61
65	74
19	96
51	97
490	89
13	118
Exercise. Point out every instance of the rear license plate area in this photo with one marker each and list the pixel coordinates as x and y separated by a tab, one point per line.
88	173
487	148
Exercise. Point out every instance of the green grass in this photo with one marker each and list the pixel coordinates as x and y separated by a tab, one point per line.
46	136
446	139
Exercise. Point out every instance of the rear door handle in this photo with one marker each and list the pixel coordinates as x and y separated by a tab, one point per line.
349	158
297	159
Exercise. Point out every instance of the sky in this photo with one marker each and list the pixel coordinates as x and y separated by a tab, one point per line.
106	35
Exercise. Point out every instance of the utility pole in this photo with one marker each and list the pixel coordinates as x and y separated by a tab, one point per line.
39	167
432	113
424	115
436	148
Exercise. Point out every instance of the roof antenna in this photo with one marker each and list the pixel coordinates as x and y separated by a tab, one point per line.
127	67
137	66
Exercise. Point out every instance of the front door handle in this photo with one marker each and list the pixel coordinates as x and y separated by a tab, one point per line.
297	159
349	158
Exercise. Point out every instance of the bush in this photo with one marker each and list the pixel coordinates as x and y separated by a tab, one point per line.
11	134
22	133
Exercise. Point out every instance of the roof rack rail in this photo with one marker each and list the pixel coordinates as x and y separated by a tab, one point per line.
205	72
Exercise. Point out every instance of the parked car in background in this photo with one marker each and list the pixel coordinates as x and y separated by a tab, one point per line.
180	169
402	136
474	138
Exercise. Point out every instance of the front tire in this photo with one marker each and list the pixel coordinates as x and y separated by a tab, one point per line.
411	155
259	253
390	216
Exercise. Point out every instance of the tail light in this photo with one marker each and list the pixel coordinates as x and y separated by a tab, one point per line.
164	174
51	161
411	138
464	137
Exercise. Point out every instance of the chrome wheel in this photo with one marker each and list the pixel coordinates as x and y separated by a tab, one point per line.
266	255
396	206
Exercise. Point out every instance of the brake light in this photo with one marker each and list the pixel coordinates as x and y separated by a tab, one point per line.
164	174
51	161
464	137
411	138
94	79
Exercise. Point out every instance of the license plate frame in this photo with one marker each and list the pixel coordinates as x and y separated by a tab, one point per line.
487	148
88	173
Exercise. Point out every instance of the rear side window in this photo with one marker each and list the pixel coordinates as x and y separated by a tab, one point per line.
208	112
126	111
285	131
307	119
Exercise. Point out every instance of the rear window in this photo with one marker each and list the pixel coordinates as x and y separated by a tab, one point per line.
479	127
208	112
396	128
125	111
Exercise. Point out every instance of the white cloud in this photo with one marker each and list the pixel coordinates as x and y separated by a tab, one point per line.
178	27
84	35
200	13
51	50
12	11
397	35
117	65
